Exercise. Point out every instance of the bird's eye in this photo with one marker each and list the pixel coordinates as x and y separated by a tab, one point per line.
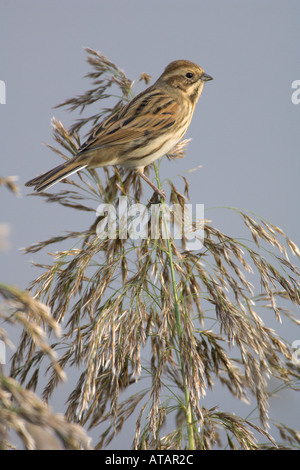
189	75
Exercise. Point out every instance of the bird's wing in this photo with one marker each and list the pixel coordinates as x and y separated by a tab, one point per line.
152	111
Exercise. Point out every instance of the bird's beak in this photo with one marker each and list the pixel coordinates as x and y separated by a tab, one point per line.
205	77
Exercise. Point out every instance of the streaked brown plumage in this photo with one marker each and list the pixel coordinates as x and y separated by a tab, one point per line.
142	131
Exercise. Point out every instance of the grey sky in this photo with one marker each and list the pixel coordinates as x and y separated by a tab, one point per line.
245	128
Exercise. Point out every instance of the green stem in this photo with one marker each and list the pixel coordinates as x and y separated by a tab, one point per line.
188	410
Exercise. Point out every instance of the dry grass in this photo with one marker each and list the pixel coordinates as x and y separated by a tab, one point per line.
20	409
118	298
10	182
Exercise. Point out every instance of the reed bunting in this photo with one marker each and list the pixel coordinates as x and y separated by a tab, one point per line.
145	129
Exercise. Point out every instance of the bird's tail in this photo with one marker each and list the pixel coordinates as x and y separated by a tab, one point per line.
55	175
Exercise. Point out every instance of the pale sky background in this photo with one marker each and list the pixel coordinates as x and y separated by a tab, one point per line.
245	128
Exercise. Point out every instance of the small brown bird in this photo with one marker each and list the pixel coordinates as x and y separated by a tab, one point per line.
145	129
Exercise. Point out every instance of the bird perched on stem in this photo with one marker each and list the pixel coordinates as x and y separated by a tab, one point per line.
145	129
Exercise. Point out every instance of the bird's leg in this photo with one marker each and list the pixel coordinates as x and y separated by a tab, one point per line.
160	192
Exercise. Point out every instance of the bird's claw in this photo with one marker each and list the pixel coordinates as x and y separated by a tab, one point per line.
157	196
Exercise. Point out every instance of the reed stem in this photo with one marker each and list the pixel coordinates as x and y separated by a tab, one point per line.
188	411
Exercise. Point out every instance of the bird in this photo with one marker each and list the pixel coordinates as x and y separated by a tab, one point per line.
143	130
